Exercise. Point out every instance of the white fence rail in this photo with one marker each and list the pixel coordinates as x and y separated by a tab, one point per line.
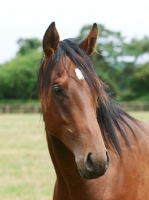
20	108
135	106
36	108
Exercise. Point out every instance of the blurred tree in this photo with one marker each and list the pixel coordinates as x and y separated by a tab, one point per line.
26	46
136	48
139	83
18	78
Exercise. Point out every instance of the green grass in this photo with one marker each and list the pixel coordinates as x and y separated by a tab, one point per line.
26	171
143	116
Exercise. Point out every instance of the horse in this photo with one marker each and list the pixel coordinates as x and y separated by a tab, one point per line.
99	152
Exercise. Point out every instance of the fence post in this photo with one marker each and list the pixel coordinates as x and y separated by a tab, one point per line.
7	109
22	109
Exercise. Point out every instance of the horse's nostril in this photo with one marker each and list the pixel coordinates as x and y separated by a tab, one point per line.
89	163
96	167
108	160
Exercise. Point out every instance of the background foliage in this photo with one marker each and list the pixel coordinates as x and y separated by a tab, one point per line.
18	77
123	66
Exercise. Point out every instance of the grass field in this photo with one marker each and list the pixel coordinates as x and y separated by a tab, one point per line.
26	171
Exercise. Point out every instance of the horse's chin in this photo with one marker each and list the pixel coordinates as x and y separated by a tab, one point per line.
91	175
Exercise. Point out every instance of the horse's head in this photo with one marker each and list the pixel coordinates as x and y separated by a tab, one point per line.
69	89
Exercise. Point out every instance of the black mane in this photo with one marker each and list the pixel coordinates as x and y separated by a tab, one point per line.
109	114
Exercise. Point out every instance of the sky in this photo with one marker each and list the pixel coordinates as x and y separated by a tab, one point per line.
30	18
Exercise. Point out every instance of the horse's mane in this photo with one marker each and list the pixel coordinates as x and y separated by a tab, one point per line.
109	115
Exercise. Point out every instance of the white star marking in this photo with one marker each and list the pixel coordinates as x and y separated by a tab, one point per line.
79	74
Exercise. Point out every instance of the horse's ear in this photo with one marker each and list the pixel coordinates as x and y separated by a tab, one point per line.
50	40
89	43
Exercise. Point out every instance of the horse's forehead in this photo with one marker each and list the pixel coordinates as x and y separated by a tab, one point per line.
68	66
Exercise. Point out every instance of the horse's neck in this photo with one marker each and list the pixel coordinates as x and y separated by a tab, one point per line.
63	160
59	152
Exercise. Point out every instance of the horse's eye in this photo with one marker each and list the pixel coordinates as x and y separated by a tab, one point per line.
57	91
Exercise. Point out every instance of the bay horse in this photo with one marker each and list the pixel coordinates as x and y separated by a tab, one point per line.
99	152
